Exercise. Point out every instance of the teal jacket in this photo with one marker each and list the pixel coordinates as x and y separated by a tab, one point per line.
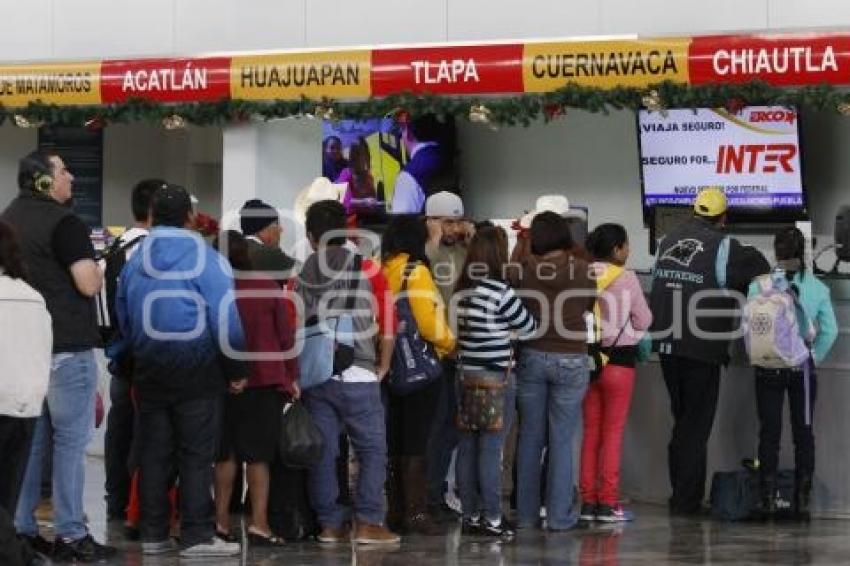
817	305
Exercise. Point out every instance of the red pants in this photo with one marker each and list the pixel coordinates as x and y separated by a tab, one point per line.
134	514
605	408
133	511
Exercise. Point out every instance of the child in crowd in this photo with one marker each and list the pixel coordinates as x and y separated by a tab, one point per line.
815	313
624	316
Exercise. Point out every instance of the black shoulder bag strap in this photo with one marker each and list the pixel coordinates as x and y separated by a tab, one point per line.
617	339
809	365
354	281
119	246
408	271
354	269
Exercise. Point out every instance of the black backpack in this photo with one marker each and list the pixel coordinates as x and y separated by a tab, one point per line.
112	261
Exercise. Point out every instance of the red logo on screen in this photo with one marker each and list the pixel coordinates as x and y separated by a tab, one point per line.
773	116
756	158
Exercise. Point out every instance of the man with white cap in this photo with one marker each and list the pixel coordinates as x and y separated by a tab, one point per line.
449	234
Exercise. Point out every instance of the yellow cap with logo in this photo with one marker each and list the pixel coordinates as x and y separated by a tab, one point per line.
711	201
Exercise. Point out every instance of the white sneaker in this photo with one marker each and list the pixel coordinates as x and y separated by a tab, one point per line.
159	547
214	547
453	501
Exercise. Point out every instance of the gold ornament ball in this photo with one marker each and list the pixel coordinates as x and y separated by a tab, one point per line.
479	114
174	122
22	121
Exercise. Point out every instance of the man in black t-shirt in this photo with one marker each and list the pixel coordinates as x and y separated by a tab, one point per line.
59	259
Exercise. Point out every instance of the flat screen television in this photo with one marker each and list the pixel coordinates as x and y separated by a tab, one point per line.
754	155
374	157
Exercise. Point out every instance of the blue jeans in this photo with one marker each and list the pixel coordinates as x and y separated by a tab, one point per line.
357	408
479	464
68	418
550	390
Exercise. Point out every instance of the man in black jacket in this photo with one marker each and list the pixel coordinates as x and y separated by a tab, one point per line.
59	257
698	272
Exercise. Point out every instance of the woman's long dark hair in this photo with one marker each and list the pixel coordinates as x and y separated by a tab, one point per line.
237	249
406	234
489	247
11	258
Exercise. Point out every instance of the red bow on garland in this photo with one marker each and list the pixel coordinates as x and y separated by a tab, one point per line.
206	224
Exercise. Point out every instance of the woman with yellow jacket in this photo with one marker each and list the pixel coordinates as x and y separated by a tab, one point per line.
409	416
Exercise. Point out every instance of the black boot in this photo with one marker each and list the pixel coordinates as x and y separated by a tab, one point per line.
414	481
767	495
395	495
802	496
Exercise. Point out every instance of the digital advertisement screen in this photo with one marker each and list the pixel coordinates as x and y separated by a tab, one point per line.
754	155
389	167
367	156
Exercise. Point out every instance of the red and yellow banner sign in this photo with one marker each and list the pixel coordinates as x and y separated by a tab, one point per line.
604	64
448	70
166	80
778	59
61	83
288	76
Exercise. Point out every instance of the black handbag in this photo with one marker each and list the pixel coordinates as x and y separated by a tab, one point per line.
735	494
301	441
415	364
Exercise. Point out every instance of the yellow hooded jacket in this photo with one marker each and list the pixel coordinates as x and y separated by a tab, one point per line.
425	302
604	277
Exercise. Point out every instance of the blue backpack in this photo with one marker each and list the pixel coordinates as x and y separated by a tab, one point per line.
329	342
415	364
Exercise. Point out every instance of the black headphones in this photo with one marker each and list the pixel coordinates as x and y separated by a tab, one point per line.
42	182
42	177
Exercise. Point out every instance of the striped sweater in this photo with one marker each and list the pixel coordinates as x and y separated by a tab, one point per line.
489	318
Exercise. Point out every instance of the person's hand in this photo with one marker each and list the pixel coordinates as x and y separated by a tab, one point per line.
238	386
295	391
468	232
435	230
382	372
522	249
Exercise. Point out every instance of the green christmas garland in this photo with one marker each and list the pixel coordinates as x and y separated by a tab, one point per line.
497	110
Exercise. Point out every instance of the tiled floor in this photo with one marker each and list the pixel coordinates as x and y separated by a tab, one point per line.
653	538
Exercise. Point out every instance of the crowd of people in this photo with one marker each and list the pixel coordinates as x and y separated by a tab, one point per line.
208	344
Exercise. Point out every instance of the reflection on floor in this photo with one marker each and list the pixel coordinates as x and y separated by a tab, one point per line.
653	538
